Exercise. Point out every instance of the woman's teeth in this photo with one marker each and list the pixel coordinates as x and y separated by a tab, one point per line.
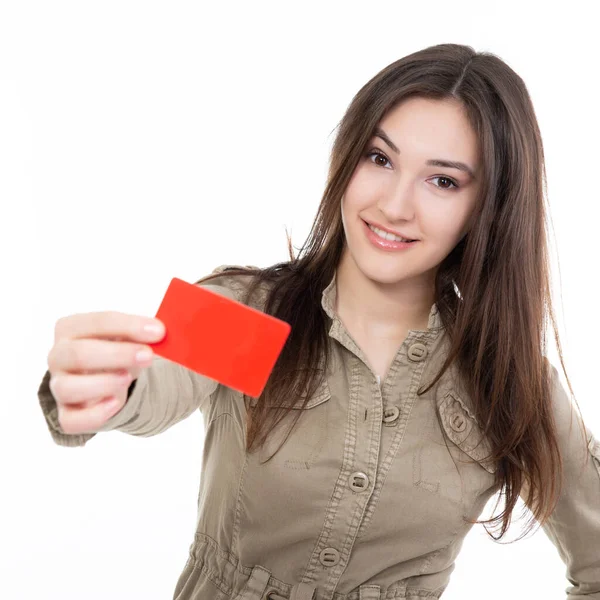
387	236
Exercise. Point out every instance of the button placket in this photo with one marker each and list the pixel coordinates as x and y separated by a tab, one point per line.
362	401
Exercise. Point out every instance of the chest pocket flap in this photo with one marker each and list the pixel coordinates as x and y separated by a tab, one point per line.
462	428
322	394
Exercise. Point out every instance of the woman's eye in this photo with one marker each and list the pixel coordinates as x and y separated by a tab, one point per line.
378	155
452	182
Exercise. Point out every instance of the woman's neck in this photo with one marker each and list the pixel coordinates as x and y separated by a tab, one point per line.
386	311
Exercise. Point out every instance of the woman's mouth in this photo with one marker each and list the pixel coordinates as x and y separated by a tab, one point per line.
386	241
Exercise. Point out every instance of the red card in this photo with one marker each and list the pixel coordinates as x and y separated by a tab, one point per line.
220	338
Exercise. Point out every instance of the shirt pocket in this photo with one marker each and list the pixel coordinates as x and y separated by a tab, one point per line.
321	395
451	460
308	439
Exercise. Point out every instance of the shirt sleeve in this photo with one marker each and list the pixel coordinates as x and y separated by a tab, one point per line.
163	394
574	526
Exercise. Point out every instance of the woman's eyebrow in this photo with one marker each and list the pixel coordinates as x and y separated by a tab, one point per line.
435	162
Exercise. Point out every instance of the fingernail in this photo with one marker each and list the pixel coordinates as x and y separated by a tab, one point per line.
143	356
154	328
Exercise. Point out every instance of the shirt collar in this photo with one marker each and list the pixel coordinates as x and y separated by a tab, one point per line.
329	295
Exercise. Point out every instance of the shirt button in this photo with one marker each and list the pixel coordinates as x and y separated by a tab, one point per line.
391	414
359	482
458	423
417	352
329	557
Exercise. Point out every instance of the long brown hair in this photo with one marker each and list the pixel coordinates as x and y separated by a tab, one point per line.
496	323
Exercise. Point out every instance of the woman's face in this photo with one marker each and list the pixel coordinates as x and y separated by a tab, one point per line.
397	189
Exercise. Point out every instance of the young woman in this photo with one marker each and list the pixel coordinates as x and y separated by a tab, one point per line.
414	385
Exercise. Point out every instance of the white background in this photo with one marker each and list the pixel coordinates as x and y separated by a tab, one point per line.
141	141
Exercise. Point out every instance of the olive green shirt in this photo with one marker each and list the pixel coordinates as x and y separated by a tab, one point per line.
364	500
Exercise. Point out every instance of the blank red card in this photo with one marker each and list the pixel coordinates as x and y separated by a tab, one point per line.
218	337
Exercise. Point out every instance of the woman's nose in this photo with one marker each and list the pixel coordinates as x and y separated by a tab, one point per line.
397	204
